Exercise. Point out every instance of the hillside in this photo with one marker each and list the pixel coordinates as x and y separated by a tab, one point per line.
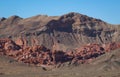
59	46
61	32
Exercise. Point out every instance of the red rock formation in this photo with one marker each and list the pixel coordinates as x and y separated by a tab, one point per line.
111	46
40	55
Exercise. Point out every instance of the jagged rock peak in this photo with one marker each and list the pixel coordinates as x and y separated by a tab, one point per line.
71	14
79	17
14	17
2	19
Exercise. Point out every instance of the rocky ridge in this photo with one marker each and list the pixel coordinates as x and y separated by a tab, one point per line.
65	32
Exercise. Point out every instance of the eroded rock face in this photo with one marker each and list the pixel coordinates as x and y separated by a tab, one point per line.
40	55
51	40
69	30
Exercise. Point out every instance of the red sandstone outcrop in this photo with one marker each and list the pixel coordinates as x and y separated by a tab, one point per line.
40	55
111	46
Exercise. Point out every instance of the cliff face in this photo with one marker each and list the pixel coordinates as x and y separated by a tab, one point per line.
64	32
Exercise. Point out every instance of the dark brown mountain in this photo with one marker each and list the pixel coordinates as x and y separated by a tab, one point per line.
64	32
53	46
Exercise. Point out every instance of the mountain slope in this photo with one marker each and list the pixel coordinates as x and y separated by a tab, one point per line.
59	32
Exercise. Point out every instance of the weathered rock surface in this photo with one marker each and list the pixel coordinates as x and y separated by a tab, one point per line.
40	55
51	40
66	32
